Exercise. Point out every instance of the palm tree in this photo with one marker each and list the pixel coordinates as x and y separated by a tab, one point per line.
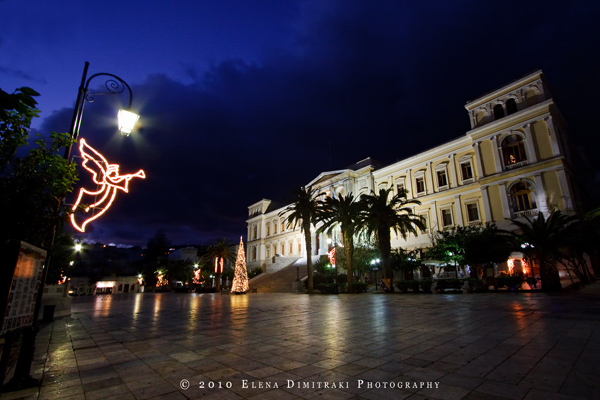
542	240
217	254
380	216
303	211
343	211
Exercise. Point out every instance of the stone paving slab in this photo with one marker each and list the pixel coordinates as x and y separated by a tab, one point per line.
296	346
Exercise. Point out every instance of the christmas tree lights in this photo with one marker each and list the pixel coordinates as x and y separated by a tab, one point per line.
240	277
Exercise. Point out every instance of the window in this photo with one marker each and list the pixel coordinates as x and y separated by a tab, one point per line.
299	248
511	106
400	187
291	248
498	111
442	179
522	196
254	252
472	212
425	220
268	252
283	249
282	227
255	232
446	217
420	185
268	229
274	227
466	171
513	151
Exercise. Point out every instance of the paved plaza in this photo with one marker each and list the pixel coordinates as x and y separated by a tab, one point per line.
296	346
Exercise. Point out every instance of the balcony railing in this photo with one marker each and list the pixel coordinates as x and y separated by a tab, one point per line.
515	165
526	213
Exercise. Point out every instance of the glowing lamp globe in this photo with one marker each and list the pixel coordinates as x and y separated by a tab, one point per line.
127	120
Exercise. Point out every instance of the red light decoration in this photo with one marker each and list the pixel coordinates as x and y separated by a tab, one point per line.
218	265
331	256
107	177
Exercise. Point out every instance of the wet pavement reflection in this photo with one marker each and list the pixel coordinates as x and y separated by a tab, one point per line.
280	346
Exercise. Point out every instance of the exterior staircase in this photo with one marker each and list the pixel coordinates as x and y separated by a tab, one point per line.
281	281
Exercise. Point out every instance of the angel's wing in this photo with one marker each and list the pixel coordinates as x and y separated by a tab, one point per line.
94	162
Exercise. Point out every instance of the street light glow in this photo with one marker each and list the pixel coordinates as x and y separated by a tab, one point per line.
127	120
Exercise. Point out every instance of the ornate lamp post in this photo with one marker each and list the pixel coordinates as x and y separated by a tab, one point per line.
127	119
113	85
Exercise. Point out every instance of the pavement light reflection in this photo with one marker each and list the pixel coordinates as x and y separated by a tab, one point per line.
102	305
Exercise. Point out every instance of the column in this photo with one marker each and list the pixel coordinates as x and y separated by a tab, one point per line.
458	206
504	200
408	184
565	188
532	158
480	172
496	149
429	182
487	212
434	217
454	181
540	194
553	136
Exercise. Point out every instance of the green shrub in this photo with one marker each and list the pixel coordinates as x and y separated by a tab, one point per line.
358	287
414	285
511	282
327	288
476	285
443	284
402	286
255	271
426	285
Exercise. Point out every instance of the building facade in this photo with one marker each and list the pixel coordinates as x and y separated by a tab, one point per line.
514	162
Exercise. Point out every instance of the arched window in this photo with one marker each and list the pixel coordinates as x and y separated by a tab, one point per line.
254	252
513	150
511	106
255	232
498	111
479	117
523	197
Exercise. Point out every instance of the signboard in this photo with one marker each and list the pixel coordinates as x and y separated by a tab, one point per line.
27	267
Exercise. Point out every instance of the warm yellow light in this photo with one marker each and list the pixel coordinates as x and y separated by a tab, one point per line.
127	120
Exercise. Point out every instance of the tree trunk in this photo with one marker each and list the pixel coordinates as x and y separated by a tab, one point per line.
385	248
549	275
309	267
349	250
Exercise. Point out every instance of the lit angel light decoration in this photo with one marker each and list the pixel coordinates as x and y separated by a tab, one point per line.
107	177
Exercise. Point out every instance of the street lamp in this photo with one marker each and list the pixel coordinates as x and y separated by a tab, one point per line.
113	85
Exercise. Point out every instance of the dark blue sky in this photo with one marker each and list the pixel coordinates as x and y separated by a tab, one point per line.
243	100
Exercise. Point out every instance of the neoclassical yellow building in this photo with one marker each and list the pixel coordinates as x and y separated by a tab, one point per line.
512	163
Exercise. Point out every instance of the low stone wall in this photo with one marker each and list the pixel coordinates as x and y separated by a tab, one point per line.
56	295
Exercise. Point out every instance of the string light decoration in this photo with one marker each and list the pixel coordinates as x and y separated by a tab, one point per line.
218	265
107	177
331	256
198	278
240	278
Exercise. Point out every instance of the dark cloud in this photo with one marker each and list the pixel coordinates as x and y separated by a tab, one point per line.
20	74
356	81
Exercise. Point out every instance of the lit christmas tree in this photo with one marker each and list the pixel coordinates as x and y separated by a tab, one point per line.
240	277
